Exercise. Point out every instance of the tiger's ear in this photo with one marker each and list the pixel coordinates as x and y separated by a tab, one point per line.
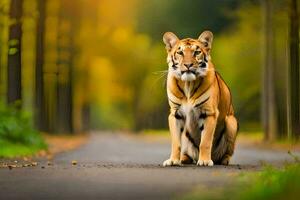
170	39
206	39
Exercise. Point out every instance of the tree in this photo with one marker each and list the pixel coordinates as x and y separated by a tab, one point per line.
14	52
4	25
269	108
50	69
65	65
39	81
294	69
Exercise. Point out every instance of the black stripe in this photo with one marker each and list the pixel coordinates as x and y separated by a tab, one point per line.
205	59
202	116
203	92
191	139
196	88
173	62
187	155
199	104
218	140
189	159
201	127
175	103
177	115
180	89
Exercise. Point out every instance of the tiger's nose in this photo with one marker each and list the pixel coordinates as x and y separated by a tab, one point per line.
188	65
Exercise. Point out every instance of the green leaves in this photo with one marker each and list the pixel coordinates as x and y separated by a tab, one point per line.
12	51
16	128
13	43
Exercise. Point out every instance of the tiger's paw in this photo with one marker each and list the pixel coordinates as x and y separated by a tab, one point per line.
209	163
171	162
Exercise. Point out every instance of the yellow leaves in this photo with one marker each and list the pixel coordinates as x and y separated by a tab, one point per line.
104	83
117	13
121	36
119	63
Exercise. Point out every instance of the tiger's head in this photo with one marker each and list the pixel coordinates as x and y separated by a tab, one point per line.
188	59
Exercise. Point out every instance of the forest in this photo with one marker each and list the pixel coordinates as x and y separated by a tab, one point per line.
73	66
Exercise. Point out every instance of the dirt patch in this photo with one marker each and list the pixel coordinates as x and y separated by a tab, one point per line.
63	143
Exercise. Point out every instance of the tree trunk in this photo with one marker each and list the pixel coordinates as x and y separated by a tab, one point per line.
50	70
269	106
4	24
66	53
39	83
14	52
294	69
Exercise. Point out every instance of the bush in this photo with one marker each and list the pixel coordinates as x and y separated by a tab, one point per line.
17	135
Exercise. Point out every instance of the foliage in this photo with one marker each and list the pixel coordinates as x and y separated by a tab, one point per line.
273	183
237	55
17	135
119	66
186	18
130	62
122	71
269	184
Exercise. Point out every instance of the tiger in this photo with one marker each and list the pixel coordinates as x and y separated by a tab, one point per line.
202	123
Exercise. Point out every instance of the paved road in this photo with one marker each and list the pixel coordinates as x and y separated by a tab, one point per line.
120	166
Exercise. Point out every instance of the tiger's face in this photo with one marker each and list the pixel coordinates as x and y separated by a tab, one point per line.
188	58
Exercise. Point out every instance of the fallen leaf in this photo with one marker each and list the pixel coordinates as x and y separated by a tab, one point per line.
11	166
74	162
25	158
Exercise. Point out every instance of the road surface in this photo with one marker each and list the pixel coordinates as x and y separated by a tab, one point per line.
123	166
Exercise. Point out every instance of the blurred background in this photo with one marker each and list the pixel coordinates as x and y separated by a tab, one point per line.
73	66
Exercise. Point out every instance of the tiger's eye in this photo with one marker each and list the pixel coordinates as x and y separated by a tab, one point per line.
180	52
196	53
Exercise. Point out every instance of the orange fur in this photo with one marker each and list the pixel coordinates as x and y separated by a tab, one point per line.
201	120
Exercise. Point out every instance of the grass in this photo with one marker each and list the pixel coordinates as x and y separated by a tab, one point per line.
269	184
17	135
272	183
12	150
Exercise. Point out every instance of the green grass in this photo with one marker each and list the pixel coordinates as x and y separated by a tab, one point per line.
11	150
269	184
17	135
273	183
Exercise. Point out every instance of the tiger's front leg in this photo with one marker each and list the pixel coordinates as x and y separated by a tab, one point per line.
176	141
207	137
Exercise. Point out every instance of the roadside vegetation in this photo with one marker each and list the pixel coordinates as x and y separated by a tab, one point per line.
17	135
269	184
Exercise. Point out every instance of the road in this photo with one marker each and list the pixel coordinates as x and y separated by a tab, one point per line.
123	166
